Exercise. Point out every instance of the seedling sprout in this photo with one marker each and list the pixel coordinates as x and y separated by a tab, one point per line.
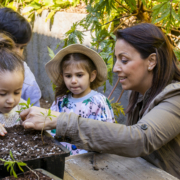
24	106
47	115
10	165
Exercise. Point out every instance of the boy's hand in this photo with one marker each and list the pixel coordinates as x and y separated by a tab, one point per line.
2	130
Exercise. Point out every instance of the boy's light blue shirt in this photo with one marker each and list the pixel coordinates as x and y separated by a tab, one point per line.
30	87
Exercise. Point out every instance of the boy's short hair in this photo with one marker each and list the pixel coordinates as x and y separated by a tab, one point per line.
15	25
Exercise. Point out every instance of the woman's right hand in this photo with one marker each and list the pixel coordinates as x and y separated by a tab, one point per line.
33	118
2	130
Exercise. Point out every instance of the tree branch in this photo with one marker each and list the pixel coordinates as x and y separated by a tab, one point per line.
112	21
114	88
122	6
120	96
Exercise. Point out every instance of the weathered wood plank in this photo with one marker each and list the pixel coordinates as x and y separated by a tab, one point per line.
67	176
113	167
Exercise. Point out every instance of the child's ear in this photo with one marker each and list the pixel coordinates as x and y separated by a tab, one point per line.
93	75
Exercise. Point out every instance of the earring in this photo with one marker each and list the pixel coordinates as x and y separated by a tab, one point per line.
149	68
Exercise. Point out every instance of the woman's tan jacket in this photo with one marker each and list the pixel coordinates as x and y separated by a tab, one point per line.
156	136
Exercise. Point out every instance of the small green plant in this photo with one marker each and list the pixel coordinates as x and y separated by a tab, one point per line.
10	165
47	115
24	106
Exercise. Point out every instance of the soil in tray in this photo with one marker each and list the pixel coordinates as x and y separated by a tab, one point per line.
26	144
29	176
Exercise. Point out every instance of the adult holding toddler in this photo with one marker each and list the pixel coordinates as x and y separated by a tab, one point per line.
19	29
147	65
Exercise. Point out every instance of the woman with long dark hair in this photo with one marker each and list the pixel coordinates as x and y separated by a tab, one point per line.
146	65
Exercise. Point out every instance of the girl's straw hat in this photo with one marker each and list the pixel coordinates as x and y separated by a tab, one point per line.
52	67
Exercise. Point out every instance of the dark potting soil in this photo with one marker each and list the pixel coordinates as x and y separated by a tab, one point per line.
29	176
26	144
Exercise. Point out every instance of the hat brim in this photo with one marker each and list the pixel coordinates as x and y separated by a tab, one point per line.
52	67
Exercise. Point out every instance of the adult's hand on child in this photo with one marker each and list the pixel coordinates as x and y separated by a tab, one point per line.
2	130
33	118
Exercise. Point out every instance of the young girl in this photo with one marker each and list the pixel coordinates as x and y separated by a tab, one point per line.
19	29
11	78
76	71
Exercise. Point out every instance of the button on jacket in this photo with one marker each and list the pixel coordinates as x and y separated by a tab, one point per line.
154	135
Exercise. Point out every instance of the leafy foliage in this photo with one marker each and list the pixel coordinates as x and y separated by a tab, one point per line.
106	16
10	165
117	108
37	6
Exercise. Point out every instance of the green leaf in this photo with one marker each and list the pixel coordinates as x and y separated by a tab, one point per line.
131	4
18	163
39	11
23	104
53	115
14	173
42	113
12	6
50	15
11	169
18	119
80	35
157	7
9	165
48	3
162	0
2	159
75	2
164	15
6	162
63	4
51	53
49	112
22	163
20	168
59	44
35	5
11	155
23	108
176	16
28	101
175	1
